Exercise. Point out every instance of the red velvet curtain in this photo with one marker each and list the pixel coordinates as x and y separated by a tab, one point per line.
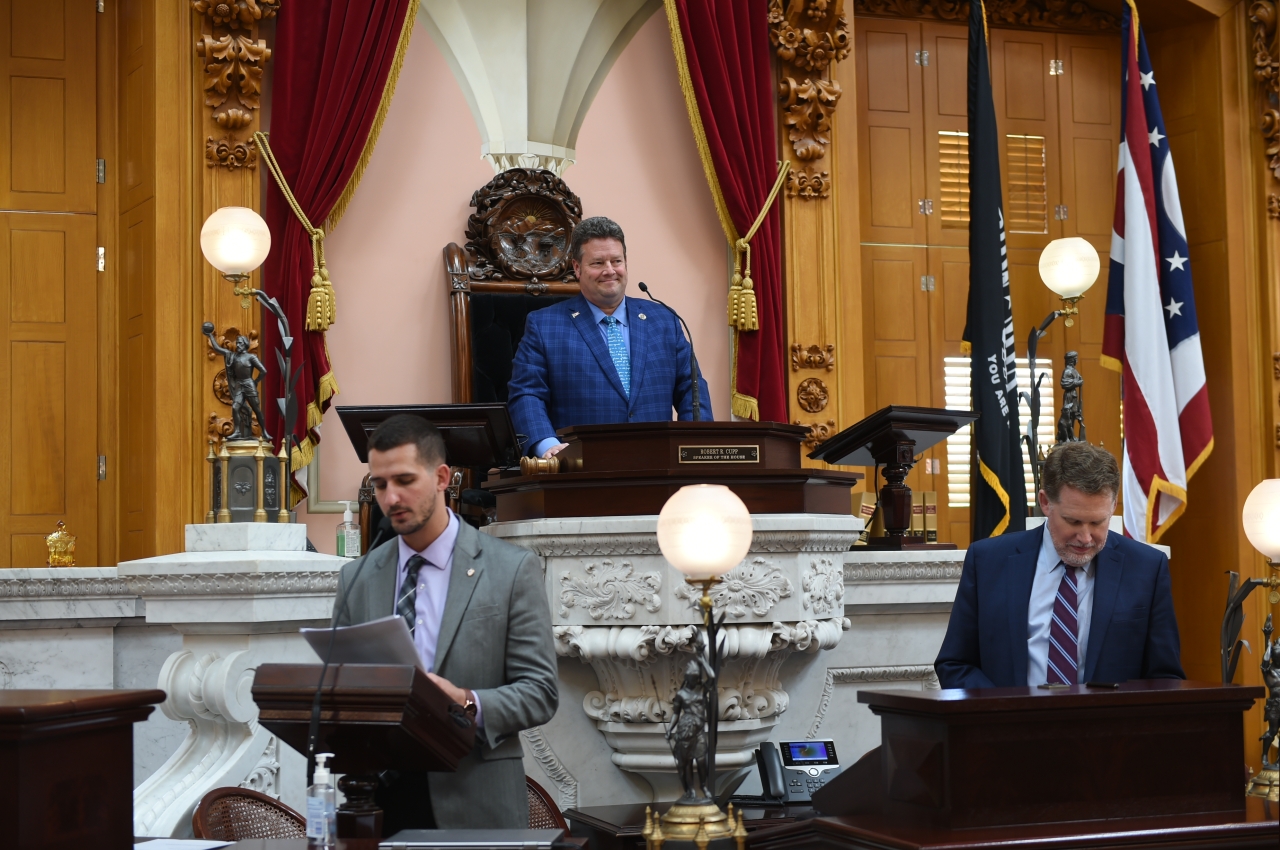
331	62
729	58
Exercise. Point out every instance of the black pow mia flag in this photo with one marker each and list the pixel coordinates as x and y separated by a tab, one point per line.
999	494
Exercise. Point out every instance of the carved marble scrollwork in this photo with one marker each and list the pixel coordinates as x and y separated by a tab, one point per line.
234	60
808	36
1042	14
1266	72
748	589
609	591
521	227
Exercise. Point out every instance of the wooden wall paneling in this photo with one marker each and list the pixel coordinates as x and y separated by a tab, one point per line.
890	130
948	306
48	437
47	107
945	135
137	421
108	362
1089	110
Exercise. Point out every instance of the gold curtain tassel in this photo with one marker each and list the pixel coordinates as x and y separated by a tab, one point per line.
748	315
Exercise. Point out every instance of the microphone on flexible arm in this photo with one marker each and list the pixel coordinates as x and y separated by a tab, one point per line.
313	731
693	358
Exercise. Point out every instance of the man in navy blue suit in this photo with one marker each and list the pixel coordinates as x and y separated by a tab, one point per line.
1066	603
599	357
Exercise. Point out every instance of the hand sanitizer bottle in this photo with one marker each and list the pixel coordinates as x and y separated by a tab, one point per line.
322	808
348	535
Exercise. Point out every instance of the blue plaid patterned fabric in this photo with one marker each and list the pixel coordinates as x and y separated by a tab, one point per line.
618	351
564	373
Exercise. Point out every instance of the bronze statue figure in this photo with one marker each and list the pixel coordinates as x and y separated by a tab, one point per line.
242	384
690	731
1271	711
1072	402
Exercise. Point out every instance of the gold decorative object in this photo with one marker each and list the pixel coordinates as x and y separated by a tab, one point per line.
213	481
62	547
1040	14
234	58
812	395
260	512
224	508
812	357
284	484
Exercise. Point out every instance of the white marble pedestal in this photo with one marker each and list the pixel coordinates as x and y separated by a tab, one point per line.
235	608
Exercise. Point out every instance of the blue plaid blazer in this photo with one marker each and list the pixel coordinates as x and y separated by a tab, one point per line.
563	375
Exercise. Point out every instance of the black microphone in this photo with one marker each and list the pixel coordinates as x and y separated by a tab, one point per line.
693	358
313	731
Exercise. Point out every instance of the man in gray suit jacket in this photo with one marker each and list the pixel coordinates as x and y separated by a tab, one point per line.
478	613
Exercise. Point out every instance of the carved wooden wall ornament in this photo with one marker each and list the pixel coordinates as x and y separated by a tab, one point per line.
1266	72
819	432
234	59
808	35
521	228
812	357
812	395
1041	14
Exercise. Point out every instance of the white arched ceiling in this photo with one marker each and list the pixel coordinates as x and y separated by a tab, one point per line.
530	68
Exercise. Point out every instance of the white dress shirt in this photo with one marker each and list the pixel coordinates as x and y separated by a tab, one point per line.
1044	590
433	588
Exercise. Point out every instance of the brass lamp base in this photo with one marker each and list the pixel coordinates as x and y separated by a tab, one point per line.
700	823
1266	785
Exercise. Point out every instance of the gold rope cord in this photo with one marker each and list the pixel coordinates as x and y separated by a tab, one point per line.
322	310
384	105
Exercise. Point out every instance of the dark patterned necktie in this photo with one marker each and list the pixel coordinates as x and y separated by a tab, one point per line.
1063	631
407	602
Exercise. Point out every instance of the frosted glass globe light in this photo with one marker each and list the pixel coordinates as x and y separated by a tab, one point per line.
1069	266
704	530
235	240
1261	518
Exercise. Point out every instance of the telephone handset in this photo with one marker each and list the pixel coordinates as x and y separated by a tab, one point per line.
802	768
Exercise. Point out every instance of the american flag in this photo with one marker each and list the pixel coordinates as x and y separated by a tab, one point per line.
1151	334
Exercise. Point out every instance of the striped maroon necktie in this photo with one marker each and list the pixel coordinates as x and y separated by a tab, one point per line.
1063	629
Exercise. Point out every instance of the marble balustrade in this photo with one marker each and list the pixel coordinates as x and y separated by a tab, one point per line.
808	624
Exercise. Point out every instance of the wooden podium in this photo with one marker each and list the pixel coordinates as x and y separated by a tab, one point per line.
66	767
373	717
632	469
1157	762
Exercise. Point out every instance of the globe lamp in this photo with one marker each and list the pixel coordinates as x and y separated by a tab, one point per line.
235	241
1069	267
1261	519
704	531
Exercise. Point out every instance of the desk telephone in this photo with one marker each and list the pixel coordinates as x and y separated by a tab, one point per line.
803	768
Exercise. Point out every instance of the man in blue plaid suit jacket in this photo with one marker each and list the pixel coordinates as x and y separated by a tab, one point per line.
599	357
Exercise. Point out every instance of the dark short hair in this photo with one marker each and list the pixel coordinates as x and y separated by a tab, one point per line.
1083	466
596	227
403	429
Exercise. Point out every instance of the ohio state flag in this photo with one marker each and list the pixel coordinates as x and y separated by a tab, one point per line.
1151	334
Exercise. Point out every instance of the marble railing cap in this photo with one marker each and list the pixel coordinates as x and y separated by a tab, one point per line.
246	536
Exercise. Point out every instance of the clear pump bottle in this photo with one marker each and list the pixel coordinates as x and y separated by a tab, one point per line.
322	807
348	534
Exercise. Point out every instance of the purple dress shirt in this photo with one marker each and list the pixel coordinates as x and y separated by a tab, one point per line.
433	588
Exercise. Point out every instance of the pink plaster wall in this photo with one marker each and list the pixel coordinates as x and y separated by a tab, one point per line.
636	163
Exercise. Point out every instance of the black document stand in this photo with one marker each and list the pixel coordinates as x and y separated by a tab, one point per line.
893	437
477	438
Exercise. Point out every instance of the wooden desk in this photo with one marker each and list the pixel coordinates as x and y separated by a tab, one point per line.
1255	829
632	469
1003	756
66	767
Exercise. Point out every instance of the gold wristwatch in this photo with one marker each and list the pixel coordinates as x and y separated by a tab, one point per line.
469	704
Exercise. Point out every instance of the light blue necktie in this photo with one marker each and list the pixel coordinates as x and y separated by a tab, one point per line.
618	351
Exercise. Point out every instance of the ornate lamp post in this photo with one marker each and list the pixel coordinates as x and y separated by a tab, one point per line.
1261	521
235	241
1068	267
704	531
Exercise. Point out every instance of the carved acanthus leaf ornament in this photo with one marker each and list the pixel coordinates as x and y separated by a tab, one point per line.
234	61
808	36
1266	72
1042	14
521	227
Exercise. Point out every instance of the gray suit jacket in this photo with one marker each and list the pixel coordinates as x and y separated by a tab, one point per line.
495	638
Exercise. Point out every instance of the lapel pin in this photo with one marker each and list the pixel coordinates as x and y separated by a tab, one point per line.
575	314
643	316
471	572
